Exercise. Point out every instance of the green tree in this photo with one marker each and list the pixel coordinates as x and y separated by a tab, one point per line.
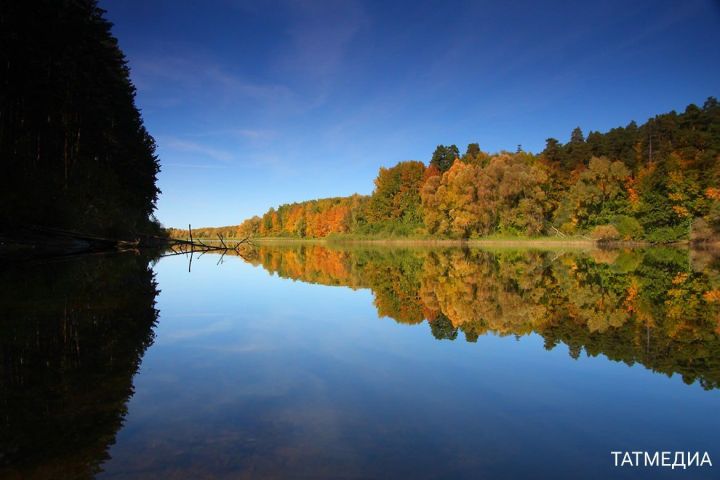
600	191
577	151
396	198
443	157
553	152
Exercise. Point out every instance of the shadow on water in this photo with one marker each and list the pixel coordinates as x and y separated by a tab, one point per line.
659	307
72	335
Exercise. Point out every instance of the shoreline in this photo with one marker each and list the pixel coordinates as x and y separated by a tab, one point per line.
536	243
579	243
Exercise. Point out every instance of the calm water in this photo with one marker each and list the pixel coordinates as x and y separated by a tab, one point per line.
307	362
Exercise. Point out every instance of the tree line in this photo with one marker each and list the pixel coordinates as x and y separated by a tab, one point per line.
75	152
658	181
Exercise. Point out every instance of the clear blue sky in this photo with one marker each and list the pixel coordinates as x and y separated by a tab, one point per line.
254	104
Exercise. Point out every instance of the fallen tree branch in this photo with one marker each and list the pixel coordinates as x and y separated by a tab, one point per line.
558	232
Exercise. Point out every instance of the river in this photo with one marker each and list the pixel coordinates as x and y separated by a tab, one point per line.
309	361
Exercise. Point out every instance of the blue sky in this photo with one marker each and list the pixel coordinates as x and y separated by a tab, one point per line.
254	104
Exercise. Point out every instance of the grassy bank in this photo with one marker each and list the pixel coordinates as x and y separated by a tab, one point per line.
426	241
490	242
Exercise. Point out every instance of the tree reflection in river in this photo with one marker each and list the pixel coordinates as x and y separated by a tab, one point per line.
72	334
659	306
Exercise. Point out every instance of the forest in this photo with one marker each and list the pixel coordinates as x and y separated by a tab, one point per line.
657	182
75	153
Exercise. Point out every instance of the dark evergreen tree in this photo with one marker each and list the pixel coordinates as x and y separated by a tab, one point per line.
74	149
473	150
596	144
443	157
577	150
553	151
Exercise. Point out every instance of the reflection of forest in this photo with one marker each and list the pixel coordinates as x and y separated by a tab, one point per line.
658	307
72	334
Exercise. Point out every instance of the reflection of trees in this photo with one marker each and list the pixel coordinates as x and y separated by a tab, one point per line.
442	328
392	274
479	293
650	307
596	294
72	335
309	263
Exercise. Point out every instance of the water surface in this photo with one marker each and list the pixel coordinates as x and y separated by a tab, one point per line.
305	361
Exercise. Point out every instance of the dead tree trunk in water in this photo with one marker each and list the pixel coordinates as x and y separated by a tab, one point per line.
192	246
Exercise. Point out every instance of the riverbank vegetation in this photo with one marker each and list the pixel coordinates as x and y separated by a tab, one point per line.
656	182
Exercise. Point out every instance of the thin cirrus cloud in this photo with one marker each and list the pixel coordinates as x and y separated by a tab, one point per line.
202	156
204	78
320	35
247	133
194	165
177	145
253	134
194	96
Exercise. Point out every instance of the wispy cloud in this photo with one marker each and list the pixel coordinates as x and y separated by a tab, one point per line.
193	76
191	333
191	165
249	133
320	35
241	133
185	146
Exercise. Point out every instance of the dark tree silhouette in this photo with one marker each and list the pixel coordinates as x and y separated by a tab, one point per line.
443	157
74	149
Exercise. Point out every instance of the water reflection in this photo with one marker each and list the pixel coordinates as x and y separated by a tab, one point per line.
72	334
658	307
253	376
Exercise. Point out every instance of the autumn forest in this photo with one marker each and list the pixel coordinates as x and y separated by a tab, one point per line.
656	182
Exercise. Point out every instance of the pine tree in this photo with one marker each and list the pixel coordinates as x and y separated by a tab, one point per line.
75	152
